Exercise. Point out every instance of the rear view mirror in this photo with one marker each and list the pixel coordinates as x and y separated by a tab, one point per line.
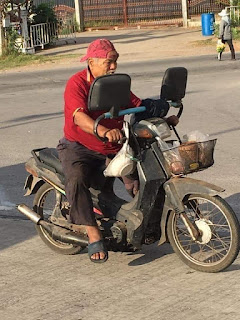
110	92
174	84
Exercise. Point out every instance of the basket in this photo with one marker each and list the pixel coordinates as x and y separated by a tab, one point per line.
190	157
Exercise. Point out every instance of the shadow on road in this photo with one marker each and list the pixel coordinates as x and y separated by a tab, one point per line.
14	227
32	119
150	253
138	37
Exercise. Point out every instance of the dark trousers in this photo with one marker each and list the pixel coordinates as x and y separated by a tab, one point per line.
230	44
78	163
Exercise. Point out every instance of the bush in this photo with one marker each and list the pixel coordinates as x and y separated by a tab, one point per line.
44	13
235	32
11	37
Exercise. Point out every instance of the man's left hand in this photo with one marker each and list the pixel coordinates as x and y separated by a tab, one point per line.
172	120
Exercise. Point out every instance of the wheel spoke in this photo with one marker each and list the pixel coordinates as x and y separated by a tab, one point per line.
216	236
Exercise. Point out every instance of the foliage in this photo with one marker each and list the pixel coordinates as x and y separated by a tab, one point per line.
11	37
12	6
235	32
216	29
220	46
235	3
44	13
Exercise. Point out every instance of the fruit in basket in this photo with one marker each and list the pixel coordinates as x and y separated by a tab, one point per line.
177	167
206	150
189	153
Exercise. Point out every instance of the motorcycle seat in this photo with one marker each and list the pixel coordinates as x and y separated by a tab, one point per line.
49	156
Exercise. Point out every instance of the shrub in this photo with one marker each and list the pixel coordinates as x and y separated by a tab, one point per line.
44	13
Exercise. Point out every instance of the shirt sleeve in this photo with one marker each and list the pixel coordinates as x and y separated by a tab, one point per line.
75	97
221	29
134	101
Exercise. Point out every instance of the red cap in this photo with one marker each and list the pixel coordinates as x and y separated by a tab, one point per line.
99	49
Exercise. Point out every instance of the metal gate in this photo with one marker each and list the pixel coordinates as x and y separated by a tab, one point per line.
131	12
146	12
196	7
107	13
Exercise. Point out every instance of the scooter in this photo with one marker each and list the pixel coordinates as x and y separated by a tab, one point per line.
169	207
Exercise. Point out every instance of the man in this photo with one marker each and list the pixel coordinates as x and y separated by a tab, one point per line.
80	151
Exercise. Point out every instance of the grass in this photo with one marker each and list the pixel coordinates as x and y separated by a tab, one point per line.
204	43
20	60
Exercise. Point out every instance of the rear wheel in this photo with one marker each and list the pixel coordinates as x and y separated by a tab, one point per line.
218	244
44	203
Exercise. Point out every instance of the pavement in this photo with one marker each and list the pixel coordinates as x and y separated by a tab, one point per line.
134	45
38	284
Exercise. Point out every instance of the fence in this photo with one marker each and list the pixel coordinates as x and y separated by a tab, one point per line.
134	12
106	13
197	7
69	3
234	14
46	33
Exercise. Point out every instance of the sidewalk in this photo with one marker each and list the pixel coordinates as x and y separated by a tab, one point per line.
144	44
133	45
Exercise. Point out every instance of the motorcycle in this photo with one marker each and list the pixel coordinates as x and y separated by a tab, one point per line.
169	207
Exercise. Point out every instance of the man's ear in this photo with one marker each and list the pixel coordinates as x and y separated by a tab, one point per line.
90	62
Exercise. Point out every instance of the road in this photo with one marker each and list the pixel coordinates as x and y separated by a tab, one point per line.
37	284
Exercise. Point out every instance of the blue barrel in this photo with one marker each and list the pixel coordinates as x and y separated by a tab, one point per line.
207	20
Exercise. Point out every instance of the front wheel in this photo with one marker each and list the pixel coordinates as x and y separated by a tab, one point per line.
218	243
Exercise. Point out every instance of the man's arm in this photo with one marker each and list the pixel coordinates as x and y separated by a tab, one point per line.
221	29
86	123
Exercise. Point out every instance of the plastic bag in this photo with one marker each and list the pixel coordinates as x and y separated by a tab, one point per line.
196	136
122	164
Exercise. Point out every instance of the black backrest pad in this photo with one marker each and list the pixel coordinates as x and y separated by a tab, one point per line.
174	84
112	90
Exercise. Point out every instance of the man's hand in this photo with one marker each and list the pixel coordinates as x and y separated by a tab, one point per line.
172	120
113	135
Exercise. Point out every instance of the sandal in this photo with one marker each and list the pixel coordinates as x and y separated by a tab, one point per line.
96	247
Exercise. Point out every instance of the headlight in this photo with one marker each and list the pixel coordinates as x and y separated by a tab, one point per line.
154	127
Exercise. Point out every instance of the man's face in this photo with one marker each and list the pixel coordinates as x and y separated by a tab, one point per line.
100	67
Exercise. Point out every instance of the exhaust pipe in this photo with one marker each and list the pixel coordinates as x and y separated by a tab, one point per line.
56	232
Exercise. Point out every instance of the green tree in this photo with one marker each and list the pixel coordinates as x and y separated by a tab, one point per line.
44	13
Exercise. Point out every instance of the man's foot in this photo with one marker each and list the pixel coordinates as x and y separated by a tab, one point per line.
96	250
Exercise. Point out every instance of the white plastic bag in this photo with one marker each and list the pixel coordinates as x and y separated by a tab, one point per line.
195	136
122	164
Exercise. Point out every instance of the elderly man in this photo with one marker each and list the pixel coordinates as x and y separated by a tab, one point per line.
80	151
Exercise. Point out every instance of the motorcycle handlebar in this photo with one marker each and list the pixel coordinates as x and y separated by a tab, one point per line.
108	115
180	111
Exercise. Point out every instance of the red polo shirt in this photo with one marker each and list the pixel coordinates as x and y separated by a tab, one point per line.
76	96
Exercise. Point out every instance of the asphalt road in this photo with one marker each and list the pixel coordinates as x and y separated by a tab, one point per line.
37	284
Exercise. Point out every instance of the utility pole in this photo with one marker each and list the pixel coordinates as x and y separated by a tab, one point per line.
79	13
185	13
1	33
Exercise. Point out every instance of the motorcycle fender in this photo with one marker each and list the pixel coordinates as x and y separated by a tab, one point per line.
32	184
176	190
184	186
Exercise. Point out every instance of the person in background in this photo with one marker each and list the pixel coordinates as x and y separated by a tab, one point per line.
225	33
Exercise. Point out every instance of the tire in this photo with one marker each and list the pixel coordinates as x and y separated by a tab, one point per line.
44	203
218	245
